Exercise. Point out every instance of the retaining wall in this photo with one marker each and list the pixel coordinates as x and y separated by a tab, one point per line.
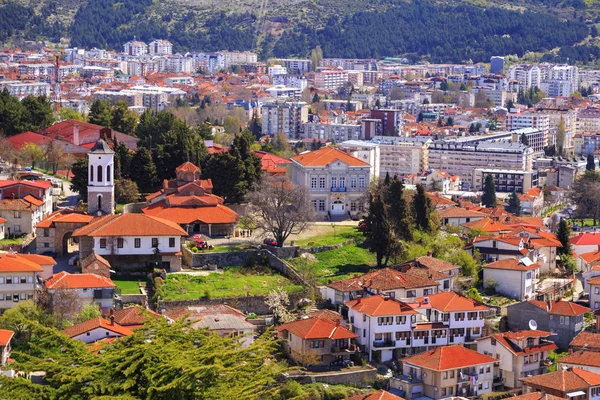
363	376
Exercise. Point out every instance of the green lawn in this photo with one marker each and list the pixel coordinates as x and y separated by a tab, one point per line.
127	287
12	242
223	248
338	264
233	282
335	235
586	222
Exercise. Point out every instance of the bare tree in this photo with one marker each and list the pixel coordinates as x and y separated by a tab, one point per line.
55	156
280	208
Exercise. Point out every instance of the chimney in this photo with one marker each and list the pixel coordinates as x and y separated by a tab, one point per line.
358	299
76	134
429	253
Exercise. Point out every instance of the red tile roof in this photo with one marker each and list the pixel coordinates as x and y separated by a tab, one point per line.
19	140
39	259
218	214
389	279
448	357
591	256
130	225
65	280
378	395
325	156
10	262
511	264
586	239
317	328
436	264
64	217
327	314
506	339
536	396
487	225
458	212
583	357
134	315
5	336
17	205
380	305
560	307
452	301
587	339
594	281
96	323
564	381
187	166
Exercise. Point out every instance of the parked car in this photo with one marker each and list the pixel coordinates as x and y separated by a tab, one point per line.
270	242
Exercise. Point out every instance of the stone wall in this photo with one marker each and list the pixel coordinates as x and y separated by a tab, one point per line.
141	299
363	376
283	252
319	249
285	269
225	259
134	208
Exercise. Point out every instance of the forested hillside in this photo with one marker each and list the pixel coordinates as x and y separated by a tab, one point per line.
433	30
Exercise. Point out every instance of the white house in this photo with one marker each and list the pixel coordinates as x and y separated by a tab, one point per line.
456	216
584	359
96	329
383	326
336	181
500	247
594	285
18	278
520	354
514	278
89	288
586	242
5	338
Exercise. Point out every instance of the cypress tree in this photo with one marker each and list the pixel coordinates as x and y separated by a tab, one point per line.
422	208
591	163
399	210
514	204
489	192
564	236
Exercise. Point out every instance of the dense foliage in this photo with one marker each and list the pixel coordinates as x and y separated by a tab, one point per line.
442	32
30	114
19	20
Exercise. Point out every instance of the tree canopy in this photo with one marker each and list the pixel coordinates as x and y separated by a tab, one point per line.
489	192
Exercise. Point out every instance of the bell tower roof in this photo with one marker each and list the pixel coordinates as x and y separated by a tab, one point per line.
101	147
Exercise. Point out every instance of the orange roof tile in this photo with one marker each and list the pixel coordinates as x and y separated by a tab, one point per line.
487	225
586	239
378	395
65	280
130	225
458	212
448	357
96	323
380	305
317	328
325	156
33	200
560	307
536	396
134	315
452	301
564	380
39	259
64	216
583	357
588	340
187	166
5	336
10	262
511	264
218	214
591	256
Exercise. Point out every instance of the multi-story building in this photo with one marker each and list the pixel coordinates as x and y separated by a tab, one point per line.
296	65
528	76
332	132
496	65
277	70
513	278
135	48
506	180
178	64
537	139
535	121
85	288
588	120
296	81
391	121
20	89
160	47
520	354
446	372
586	143
331	80
336	181
572	383
594	286
231	58
462	158
401	156
284	117
18	279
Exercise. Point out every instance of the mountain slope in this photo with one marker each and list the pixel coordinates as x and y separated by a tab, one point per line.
439	31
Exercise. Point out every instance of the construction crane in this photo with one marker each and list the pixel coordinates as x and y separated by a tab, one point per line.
57	83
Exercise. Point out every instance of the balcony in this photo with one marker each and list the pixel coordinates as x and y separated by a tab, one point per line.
338	189
465	376
413	379
384	343
545	363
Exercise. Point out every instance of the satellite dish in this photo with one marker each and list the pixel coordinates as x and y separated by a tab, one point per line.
533	325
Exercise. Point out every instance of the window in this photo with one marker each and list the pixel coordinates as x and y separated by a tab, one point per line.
445	375
352	206
9	280
334	182
46	232
91	172
321	205
108	173
443	391
99	202
361	206
476	331
562	319
17	214
1	296
481	315
452	374
313	183
154	242
459	316
137	243
342	182
353	183
597	290
319	344
171	242
99	173
411	293
427	292
23	296
321	183
1	280
472	316
488	369
400	320
446	284
314	204
385	321
486	384
566	320
494	244
102	243
30	279
120	243
23	279
361	182
528	275
46	244
17	228
530	342
16	297
413	318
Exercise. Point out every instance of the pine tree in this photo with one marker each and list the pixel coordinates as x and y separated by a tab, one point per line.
564	236
422	207
101	113
489	192
387	179
380	237
143	171
79	182
514	204
399	210
591	163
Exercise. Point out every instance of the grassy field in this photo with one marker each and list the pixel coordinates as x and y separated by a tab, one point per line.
223	248
329	235
127	287
338	264
12	242
233	282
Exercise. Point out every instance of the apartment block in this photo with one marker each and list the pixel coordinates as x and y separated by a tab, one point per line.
537	139
506	180
284	116
331	80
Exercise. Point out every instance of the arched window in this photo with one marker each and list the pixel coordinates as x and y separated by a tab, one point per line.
99	173
108	173
91	173
99	202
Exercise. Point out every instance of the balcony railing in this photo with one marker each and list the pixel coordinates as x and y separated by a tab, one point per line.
384	343
410	378
338	189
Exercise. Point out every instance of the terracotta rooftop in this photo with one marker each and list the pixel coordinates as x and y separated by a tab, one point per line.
134	315
560	307
65	280
380	305
11	262
510	341
325	156
586	339
564	381
65	217
187	166
96	323
585	358
452	301
39	259
5	336
436	264
317	328
378	395
536	396
586	239
511	264
448	357
130	225
388	279
458	212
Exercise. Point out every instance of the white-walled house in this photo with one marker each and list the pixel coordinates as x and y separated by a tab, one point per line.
336	181
594	285
383	326
18	279
456	216
5	338
585	242
96	329
585	359
520	354
89	288
500	247
132	241
516	279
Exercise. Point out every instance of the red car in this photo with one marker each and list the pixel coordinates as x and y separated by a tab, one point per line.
270	242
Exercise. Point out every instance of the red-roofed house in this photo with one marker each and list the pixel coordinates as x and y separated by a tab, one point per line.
5	338
85	134
445	372
336	181
501	247
377	395
272	164
514	278
572	384
594	285
521	353
586	242
189	202
24	204
18	278
89	288
316	340
53	233
585	359
96	329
